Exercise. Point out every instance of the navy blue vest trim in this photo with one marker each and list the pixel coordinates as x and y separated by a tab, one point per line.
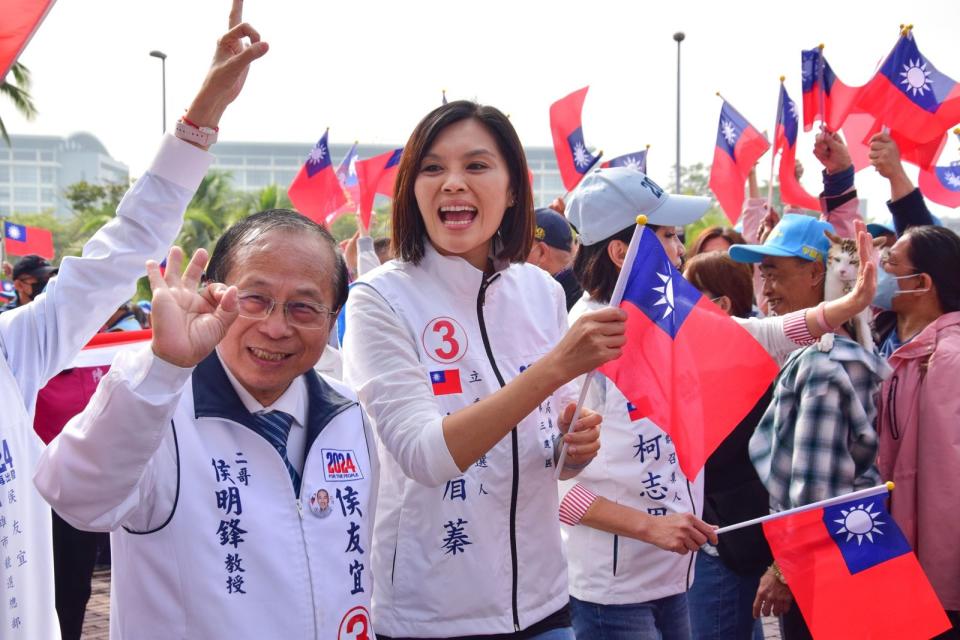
215	397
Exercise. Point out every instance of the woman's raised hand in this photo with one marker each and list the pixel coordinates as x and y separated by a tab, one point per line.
595	338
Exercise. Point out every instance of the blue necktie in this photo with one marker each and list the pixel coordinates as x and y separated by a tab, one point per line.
275	427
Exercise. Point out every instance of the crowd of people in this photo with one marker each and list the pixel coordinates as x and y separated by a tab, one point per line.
362	440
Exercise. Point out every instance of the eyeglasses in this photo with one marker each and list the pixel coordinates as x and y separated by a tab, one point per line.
299	313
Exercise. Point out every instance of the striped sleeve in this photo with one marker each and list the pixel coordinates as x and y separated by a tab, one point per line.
795	328
575	504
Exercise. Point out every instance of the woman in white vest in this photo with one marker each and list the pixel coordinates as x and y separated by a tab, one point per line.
459	352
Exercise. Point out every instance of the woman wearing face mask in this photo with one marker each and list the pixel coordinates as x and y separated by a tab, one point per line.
459	352
919	410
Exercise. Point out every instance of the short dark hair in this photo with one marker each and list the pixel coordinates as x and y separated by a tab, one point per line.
516	229
935	251
250	228
718	273
730	235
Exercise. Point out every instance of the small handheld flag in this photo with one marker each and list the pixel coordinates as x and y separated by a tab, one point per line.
21	240
785	141
739	145
315	191
376	175
636	160
573	158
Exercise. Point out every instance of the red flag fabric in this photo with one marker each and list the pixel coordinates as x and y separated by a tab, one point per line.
104	346
21	18
686	365
785	139
822	87
910	96
573	158
21	240
376	175
853	574
739	146
316	191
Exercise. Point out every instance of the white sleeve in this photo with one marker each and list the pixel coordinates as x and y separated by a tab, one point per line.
380	361
367	258
779	335
41	338
115	462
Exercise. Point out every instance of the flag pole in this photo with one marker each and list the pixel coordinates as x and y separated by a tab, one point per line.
863	493
615	298
596	159
773	149
821	65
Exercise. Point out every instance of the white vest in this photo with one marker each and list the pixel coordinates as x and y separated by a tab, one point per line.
636	467
481	554
241	556
26	605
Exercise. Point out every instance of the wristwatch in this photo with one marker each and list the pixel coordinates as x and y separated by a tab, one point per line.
203	136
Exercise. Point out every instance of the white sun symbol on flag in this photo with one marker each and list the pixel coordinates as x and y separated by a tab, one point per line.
580	156
792	107
953	179
729	131
666	294
632	163
14	233
317	154
916	76
859	522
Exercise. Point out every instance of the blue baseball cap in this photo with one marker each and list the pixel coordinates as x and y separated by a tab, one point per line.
553	229
795	236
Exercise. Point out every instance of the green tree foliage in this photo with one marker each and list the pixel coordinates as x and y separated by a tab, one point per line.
18	92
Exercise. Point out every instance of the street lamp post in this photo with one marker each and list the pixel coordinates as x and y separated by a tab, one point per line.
163	80
678	36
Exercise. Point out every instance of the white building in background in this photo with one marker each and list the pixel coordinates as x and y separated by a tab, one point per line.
255	165
36	170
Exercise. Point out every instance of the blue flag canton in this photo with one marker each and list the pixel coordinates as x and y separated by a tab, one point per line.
731	127
657	289
788	117
347	171
438	377
949	177
915	76
319	158
14	231
810	59
582	158
864	532
394	159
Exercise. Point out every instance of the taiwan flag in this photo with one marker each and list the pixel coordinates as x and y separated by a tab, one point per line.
853	574
785	141
7	291
636	160
573	158
739	146
445	382
21	240
316	192
21	18
910	96
941	184
820	82
347	175
376	175
686	365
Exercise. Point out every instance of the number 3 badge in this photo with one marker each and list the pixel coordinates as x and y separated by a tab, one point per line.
444	340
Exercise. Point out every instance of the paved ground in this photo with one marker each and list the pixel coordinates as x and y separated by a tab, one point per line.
96	625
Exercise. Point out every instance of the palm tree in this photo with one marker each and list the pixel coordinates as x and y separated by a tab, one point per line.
19	94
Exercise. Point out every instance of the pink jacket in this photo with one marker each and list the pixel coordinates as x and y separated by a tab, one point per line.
919	426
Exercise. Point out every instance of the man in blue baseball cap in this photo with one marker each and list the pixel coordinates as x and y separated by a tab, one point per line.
792	262
552	251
